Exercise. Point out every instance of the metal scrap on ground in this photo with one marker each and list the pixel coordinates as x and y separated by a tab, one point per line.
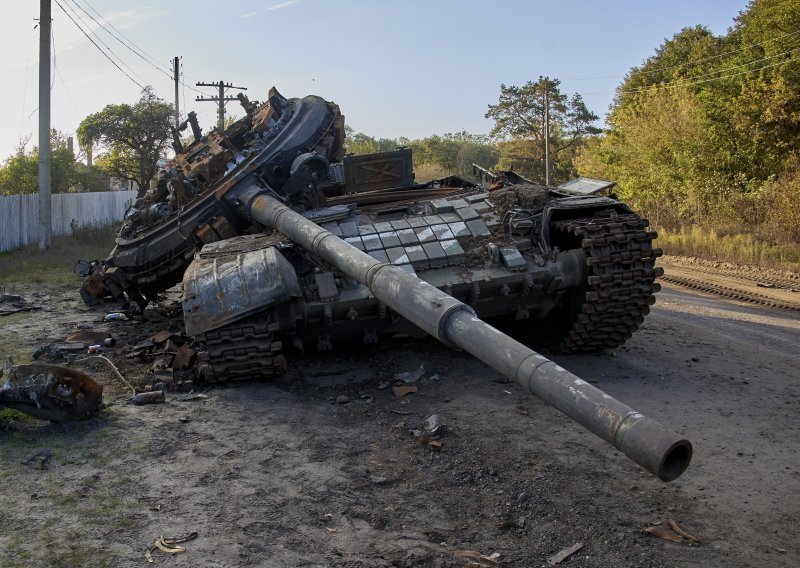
672	532
564	554
51	392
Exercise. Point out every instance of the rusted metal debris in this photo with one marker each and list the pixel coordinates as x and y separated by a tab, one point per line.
51	392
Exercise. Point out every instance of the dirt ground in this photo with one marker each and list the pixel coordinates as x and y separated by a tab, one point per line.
321	469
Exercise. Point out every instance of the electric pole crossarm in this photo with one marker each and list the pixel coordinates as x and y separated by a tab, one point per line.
221	99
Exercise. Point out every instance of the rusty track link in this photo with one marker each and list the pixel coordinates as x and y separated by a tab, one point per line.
727	292
621	282
242	350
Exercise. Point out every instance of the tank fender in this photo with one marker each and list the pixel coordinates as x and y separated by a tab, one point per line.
571	207
219	289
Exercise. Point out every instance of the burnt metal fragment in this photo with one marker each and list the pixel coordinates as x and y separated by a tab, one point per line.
51	392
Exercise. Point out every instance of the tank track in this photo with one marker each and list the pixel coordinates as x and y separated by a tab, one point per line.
242	350
619	289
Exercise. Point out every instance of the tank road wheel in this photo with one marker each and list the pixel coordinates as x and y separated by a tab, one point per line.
242	350
618	292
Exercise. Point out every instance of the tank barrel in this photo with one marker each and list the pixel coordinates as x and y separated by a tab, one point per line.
654	447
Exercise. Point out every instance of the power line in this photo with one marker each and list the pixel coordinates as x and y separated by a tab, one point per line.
108	48
710	57
679	83
692	78
692	62
114	63
24	100
58	72
127	42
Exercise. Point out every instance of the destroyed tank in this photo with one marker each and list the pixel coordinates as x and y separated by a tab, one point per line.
284	243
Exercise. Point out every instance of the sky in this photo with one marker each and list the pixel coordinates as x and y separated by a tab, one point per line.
396	68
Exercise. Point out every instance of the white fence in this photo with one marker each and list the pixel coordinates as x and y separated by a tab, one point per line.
19	214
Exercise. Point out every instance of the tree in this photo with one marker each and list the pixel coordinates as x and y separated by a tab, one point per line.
519	116
20	172
360	143
134	137
658	152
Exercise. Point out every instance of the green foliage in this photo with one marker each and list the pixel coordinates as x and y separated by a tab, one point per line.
20	172
360	143
706	133
454	153
134	137
446	155
519	125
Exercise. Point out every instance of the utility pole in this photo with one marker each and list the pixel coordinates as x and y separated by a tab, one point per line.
45	158
176	76
221	99
546	134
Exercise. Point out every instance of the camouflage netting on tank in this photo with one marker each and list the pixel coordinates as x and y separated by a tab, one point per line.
531	197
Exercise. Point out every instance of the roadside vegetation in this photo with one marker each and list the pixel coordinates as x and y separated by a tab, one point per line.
704	139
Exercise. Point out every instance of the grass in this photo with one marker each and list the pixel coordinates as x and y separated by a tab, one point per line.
739	249
26	265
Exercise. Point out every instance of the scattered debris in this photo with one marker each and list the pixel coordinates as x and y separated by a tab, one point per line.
383	385
91	338
433	424
674	526
672	532
153	397
477	560
14	304
192	396
113	367
766	285
403	391
168	545
50	392
184	358
508	521
430	428
342	399
330	529
663	532
115	316
409	377
564	554
434	444
161	336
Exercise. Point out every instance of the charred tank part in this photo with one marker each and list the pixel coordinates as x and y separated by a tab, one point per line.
50	392
152	256
645	441
197	133
248	106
